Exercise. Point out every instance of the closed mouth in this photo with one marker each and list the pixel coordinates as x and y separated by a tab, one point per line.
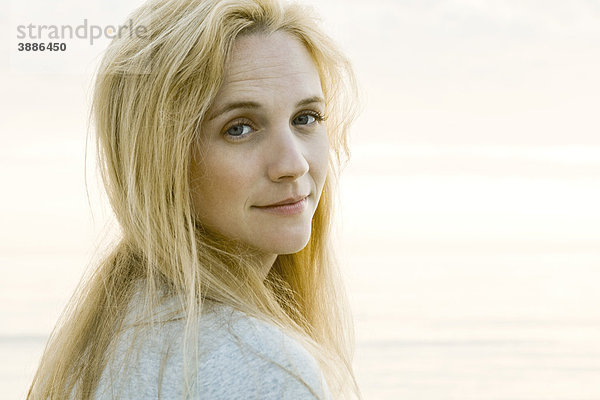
288	201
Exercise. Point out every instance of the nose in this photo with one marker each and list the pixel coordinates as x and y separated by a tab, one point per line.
287	161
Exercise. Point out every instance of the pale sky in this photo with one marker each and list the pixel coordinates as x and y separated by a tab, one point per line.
484	93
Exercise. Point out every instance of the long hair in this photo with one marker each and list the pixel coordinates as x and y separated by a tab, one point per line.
151	93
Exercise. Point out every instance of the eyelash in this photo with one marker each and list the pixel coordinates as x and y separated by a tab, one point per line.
315	114
319	117
233	125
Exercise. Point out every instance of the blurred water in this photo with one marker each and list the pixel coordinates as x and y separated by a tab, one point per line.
20	355
492	326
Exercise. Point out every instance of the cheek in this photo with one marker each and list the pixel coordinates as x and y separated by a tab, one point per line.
320	158
221	182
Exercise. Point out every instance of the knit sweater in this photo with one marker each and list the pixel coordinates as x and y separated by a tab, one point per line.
240	357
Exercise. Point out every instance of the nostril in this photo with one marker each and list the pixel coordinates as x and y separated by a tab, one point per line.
287	158
288	168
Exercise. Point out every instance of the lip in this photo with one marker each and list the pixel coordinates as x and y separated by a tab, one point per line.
290	200
289	206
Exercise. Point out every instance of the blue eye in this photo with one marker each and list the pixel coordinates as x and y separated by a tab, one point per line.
239	130
304	119
308	118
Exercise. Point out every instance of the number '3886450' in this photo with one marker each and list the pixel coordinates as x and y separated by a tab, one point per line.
50	46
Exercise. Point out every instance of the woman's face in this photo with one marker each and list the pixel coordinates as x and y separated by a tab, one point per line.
265	149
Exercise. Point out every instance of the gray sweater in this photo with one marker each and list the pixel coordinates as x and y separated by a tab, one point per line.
240	357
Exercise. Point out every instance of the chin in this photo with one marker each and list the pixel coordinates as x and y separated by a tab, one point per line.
288	244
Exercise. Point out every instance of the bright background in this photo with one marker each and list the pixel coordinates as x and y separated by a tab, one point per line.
471	225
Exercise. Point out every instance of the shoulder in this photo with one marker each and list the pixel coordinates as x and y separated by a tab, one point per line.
254	357
238	357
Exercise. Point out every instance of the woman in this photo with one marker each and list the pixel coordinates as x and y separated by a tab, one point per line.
220	131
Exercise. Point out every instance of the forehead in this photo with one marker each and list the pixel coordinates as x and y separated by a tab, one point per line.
260	63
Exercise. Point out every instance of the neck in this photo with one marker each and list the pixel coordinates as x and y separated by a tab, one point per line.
265	262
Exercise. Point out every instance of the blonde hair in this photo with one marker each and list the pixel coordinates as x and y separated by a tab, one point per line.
151	94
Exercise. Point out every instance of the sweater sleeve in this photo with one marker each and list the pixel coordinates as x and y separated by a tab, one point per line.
239	358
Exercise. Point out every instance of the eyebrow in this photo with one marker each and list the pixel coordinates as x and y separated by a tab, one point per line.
253	105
